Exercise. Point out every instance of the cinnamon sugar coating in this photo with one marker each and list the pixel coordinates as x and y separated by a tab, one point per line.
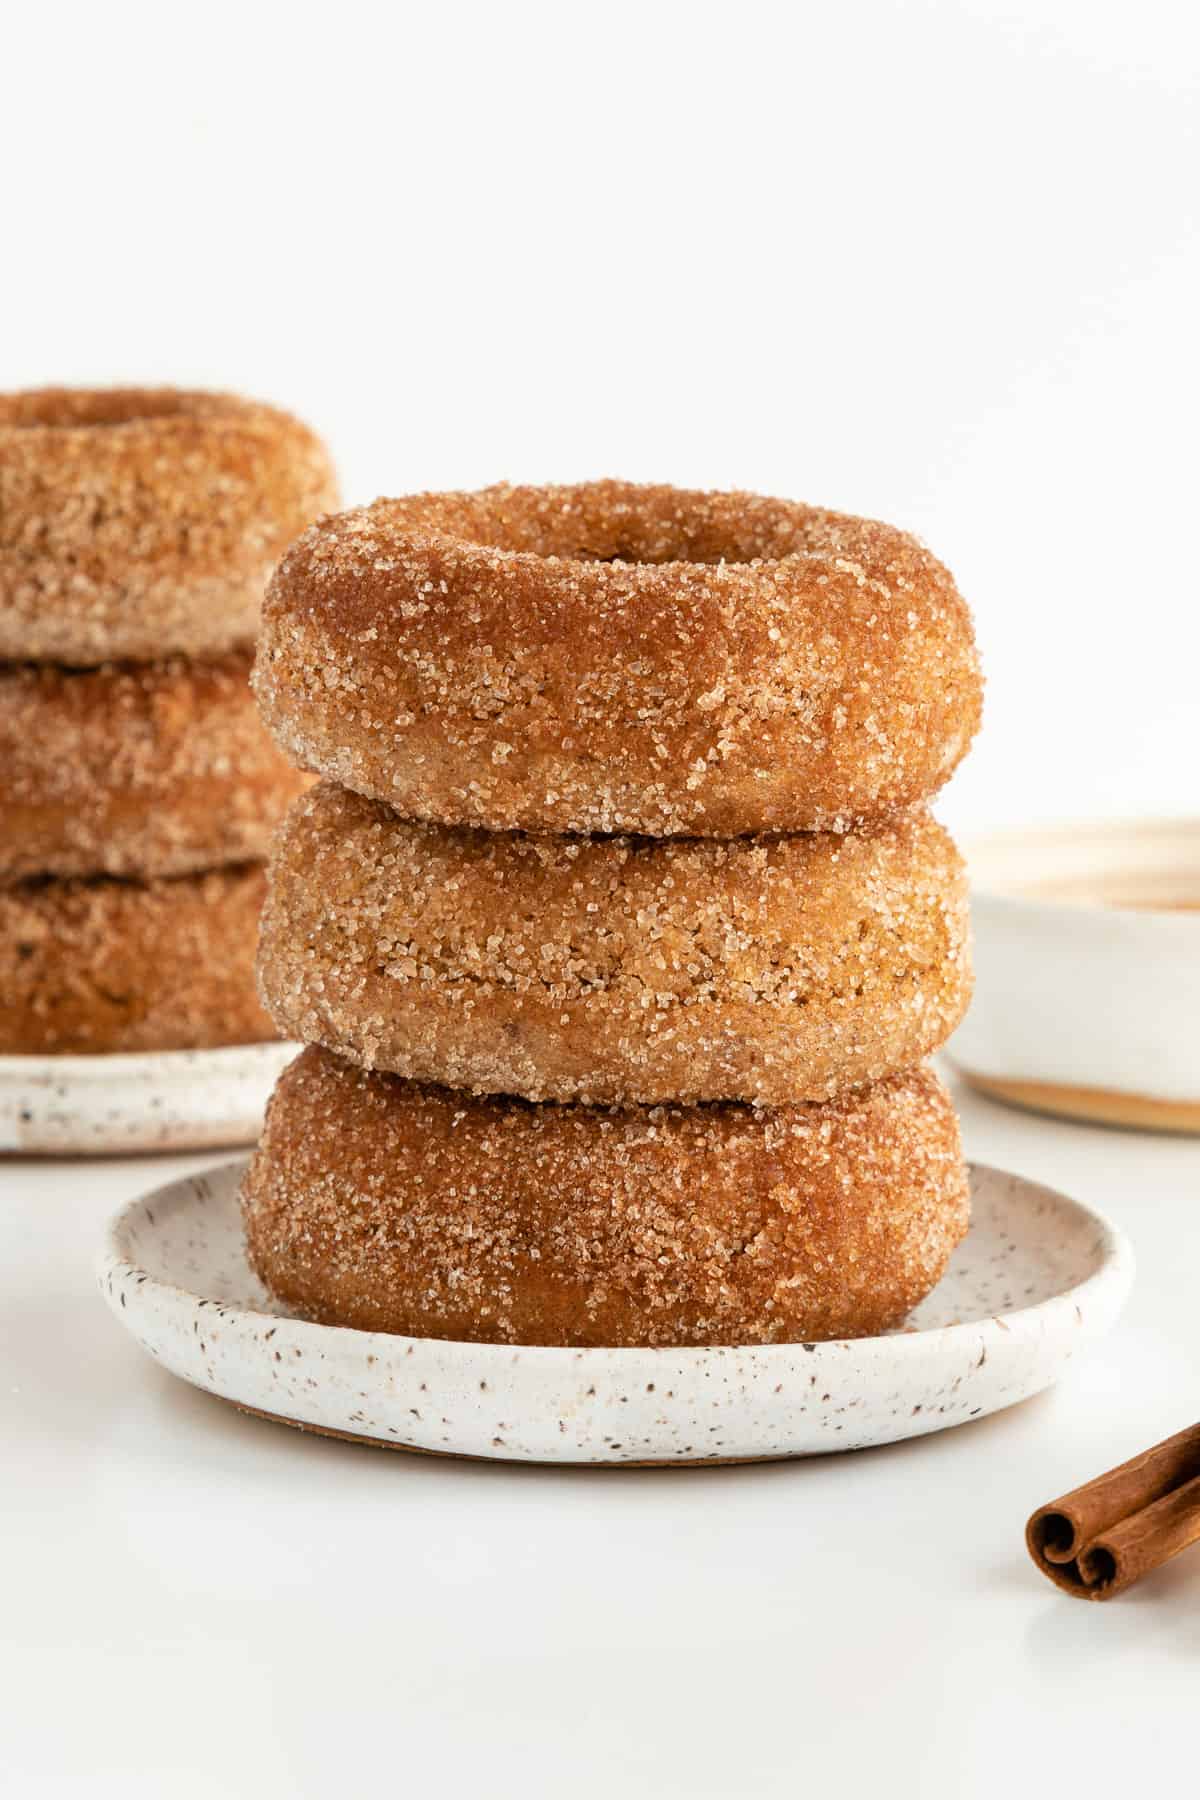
380	1204
136	769
765	969
139	522
619	658
102	965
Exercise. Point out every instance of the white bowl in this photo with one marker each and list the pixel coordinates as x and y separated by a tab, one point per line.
1037	1279
1087	973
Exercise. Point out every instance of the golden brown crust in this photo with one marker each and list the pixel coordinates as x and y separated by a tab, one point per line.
139	522
92	966
582	659
380	1204
136	769
606	969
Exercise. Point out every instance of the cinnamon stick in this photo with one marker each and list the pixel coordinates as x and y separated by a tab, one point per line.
1101	1538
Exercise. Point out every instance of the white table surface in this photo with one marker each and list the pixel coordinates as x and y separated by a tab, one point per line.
196	1603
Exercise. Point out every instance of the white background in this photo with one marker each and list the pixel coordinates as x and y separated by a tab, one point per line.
932	262
937	263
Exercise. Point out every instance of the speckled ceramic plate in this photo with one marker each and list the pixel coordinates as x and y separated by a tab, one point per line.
1038	1278
115	1105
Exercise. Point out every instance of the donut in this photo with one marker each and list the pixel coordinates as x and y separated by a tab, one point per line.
136	769
103	965
770	969
387	1205
135	522
619	658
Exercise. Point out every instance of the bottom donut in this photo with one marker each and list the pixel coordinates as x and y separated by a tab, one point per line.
102	965
382	1204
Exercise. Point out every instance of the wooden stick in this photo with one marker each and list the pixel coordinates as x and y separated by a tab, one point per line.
1101	1538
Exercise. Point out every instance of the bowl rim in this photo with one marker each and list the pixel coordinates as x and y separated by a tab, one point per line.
981	850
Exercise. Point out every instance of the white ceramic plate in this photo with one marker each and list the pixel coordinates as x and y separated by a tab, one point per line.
1037	1279
162	1100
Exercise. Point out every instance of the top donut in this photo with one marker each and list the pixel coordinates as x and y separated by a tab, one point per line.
618	658
136	523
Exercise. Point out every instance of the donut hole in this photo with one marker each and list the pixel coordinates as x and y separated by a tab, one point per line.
627	548
618	522
66	409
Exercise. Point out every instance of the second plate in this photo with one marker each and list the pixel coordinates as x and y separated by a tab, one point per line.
116	1105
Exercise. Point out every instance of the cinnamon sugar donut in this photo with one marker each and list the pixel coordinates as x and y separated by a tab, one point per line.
91	966
610	657
765	969
384	1205
136	522
136	769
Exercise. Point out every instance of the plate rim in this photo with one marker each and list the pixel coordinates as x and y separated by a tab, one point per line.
124	1064
1116	1265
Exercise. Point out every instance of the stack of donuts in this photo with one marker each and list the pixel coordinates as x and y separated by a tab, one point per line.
617	926
140	790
